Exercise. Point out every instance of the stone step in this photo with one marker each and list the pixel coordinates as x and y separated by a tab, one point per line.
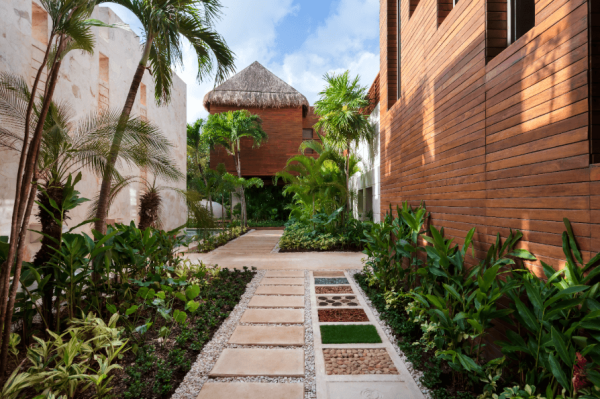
280	290
285	273
281	281
259	362
329	274
268	335
251	390
276	302
273	316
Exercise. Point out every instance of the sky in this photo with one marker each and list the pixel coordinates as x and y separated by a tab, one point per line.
297	40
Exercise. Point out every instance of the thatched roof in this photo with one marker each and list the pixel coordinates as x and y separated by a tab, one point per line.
255	87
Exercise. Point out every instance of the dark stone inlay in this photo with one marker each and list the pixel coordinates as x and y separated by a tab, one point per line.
331	281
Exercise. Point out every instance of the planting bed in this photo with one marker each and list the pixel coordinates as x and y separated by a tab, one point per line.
349	334
332	281
358	361
346	300
342	315
340	289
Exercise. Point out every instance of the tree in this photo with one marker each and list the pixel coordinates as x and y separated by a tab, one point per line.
165	24
340	118
227	129
70	30
198	156
68	146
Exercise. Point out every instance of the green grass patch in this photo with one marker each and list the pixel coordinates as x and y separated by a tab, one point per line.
349	334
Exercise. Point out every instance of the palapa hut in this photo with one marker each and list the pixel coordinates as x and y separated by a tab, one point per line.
287	118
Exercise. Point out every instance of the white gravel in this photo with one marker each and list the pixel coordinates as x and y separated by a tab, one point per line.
416	374
198	375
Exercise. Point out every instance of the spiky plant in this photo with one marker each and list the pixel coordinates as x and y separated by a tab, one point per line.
150	203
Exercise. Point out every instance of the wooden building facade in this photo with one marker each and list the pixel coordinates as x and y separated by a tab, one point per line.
490	116
286	116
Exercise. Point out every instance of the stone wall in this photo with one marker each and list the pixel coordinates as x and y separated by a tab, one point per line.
87	83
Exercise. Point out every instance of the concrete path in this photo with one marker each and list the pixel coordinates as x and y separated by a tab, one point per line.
257	249
266	343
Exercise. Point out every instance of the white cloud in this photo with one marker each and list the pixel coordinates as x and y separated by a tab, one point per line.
347	39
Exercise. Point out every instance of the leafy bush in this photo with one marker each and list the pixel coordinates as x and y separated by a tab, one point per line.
553	344
207	241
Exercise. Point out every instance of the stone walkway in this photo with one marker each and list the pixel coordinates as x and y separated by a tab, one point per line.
256	248
267	342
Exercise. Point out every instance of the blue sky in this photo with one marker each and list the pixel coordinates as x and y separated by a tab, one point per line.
298	40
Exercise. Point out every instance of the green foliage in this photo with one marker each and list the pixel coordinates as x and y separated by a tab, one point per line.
349	334
207	241
554	341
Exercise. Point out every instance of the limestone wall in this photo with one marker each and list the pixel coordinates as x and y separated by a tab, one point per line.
88	82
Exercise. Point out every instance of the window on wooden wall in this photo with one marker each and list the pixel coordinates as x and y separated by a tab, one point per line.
308	134
496	28
521	18
39	23
412	7
594	97
443	9
392	52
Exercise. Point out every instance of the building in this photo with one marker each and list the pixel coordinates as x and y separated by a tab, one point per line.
489	114
286	116
89	83
366	185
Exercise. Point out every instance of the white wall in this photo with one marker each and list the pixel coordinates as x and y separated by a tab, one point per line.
369	177
81	87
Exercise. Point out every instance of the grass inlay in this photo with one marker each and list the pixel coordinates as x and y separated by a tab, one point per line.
352	334
334	281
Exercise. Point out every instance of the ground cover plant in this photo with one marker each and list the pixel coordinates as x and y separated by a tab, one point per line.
349	334
443	312
115	299
208	242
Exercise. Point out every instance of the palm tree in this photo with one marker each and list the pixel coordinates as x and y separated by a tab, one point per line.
70	30
68	146
165	24
227	129
198	156
340	116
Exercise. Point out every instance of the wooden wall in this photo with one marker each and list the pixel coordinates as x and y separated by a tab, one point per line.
493	142
284	127
594	21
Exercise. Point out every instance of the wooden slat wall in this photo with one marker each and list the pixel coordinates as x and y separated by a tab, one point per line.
495	143
413	6
392	51
444	8
594	39
496	34
284	127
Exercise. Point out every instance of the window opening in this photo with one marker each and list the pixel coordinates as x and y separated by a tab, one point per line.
521	18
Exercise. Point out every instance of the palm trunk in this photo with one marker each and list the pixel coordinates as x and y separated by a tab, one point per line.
238	167
4	281
23	210
104	196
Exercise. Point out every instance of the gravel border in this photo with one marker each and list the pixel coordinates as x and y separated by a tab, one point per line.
416	374
198	375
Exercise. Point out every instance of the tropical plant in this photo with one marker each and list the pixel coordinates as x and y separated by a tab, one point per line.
341	119
166	23
70	29
228	129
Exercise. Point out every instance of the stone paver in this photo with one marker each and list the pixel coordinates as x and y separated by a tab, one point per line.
276	302
368	389
251	390
268	335
255	249
285	273
259	362
326	273
282	281
280	290
273	316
